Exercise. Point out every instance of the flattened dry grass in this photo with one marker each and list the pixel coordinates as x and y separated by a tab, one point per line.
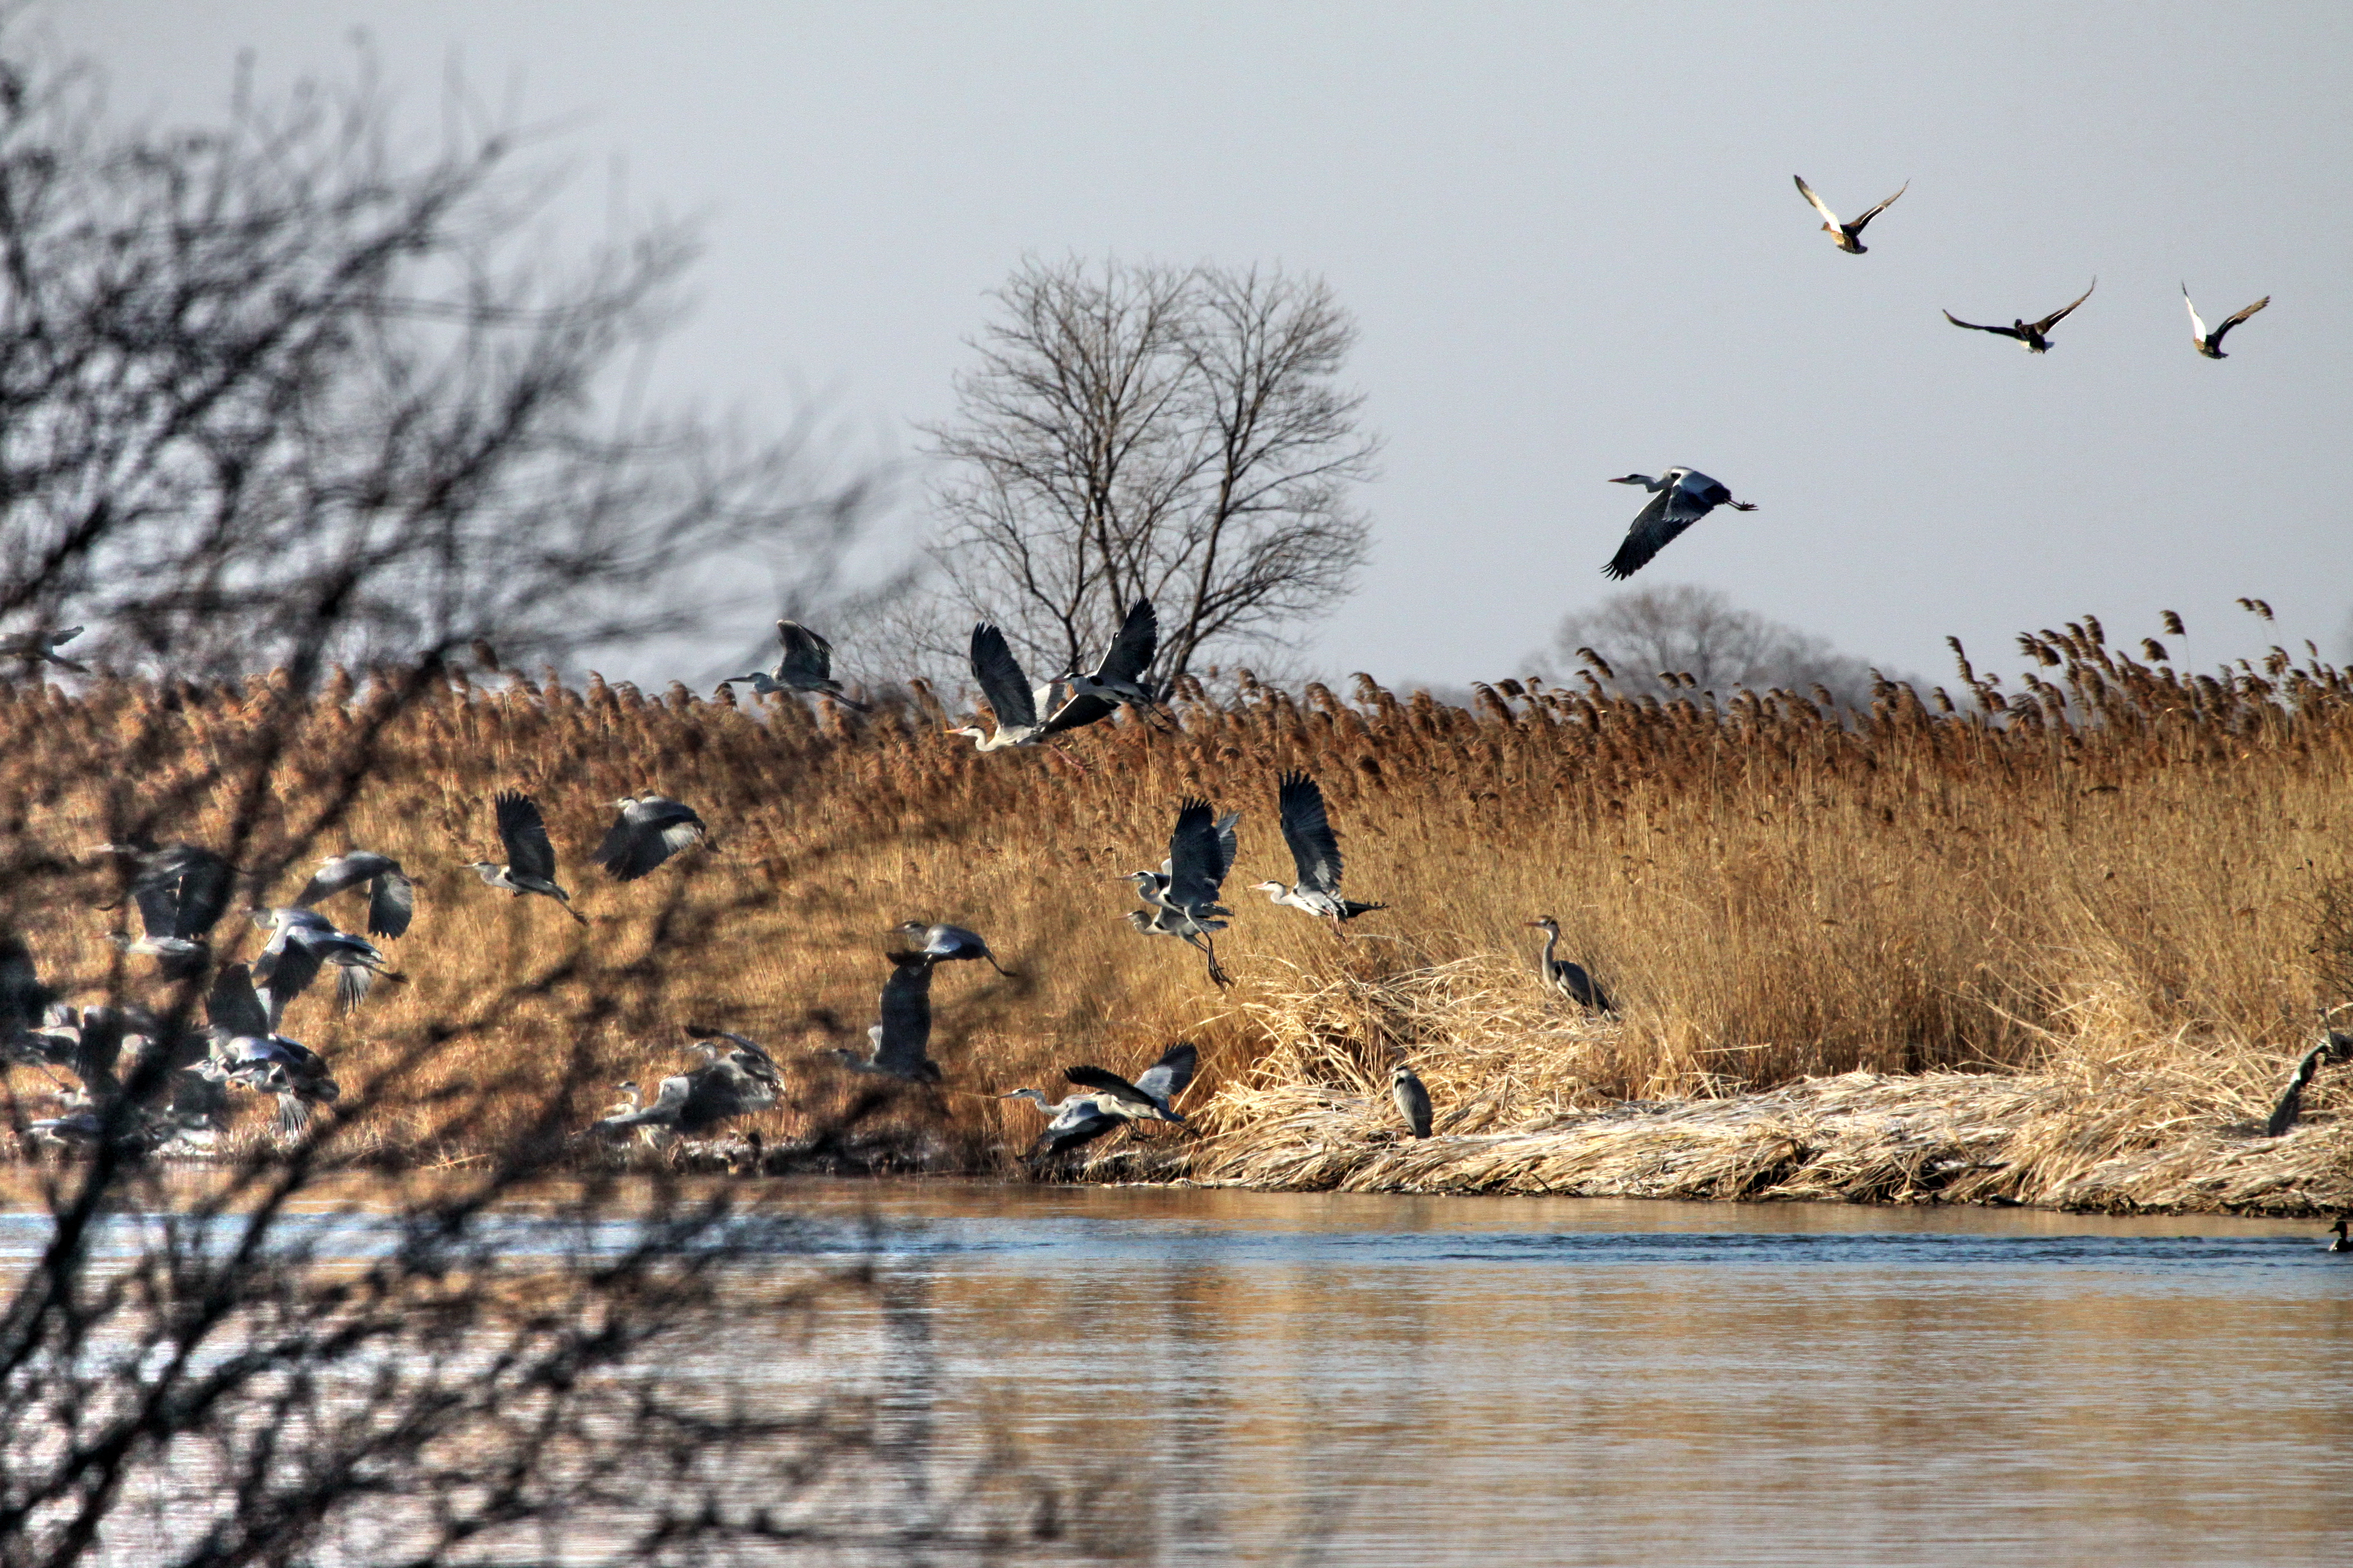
2107	898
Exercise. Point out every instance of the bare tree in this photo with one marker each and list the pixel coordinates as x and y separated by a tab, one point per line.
1136	431
1650	633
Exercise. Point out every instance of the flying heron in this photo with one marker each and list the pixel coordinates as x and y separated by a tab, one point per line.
180	890
2035	335
2210	344
1314	853
947	944
392	896
728	1083
41	648
1118	680
1569	979
901	1041
1014	703
1679	498
1184	895
531	858
249	1051
804	665
1412	1099
1080	1119
1847	237
649	829
301	943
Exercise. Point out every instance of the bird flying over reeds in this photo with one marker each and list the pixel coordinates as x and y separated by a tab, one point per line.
1680	497
804	665
531	858
649	829
1315	856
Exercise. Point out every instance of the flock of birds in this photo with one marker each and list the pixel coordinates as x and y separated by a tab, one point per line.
1683	496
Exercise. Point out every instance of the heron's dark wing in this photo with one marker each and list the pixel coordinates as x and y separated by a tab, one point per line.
2235	320
392	903
1856	227
1315	848
906	1015
1226	844
1164	1079
1081	1122
205	884
285	969
1653	530
1195	863
1108	1084
1132	651
807	657
23	998
2055	316
998	675
524	834
1806	191
233	1008
352	982
159	908
2003	331
1078	713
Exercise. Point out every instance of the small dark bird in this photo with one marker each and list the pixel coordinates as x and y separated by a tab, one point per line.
2035	335
1569	979
1315	856
649	829
1412	1099
1680	497
1845	236
805	665
2210	344
392	896
947	944
2344	1243
531	858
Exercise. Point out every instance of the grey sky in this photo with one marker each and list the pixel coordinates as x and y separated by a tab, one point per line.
1570	238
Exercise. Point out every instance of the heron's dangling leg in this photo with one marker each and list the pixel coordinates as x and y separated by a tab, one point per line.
1224	981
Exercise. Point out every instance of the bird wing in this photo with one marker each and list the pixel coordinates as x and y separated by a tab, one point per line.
620	850
392	904
1133	650
233	1007
1226	844
23	997
807	657
1806	191
342	871
1110	1085
1164	1079
2242	316
285	969
2197	327
1078	713
1307	828
906	1015
1856	227
998	675
668	1103
2004	332
524	833
1194	861
159	908
2055	316
1655	528
205	885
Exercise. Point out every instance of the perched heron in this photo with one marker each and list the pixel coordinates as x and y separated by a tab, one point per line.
1847	237
247	1050
2035	335
901	1041
1680	497
2344	1243
1118	680
728	1083
182	890
1184	895
1412	1099
41	648
2210	344
1315	854
805	665
301	941
392	896
1013	702
947	944
650	830
2334	1047
531	858
1080	1119
1569	979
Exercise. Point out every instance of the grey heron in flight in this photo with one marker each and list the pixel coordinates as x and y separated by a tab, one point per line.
804	665
392	896
249	1051
181	891
1412	1099
1183	896
1847	237
1568	978
531	858
2035	335
2210	344
1013	702
649	829
1679	498
301	943
901	1043
741	1079
947	944
41	648
1080	1119
1314	855
1118	680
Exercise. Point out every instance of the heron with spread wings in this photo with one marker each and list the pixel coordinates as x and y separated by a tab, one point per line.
1014	703
392	896
901	1044
531	858
1118	680
649	829
805	664
1679	498
1315	856
1182	896
1080	1119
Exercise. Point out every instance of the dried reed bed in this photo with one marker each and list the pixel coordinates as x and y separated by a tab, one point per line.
2116	879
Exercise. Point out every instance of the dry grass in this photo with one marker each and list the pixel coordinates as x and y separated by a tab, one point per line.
2122	887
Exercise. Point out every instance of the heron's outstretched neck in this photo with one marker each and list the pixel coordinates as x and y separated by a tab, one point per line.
1552	939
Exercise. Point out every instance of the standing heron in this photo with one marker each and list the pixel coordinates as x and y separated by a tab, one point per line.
2210	344
804	665
531	858
2035	335
1081	1119
1569	979
180	890
1680	497
301	943
392	896
1847	237
948	945
1014	704
1412	1099
1118	680
1184	896
41	648
649	829
901	1043
1316	855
